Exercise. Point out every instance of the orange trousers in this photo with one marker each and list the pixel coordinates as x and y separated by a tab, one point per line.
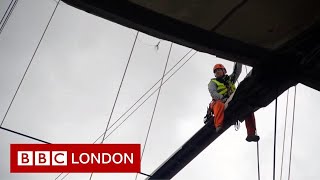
217	107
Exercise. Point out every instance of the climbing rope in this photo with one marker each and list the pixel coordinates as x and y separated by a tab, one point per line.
284	135
115	101
44	32
294	107
172	74
155	105
146	98
7	16
149	91
258	160
124	74
275	138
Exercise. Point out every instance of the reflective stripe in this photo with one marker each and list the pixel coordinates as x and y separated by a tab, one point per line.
222	88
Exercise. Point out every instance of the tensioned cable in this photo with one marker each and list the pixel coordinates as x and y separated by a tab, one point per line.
237	125
155	105
147	93
24	135
124	74
8	16
258	160
284	134
275	137
294	107
145	99
5	14
115	101
258	155
15	94
62	177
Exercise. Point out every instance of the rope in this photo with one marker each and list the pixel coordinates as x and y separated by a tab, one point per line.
144	100
275	137
29	64
155	105
124	74
294	107
284	134
237	124
147	98
8	16
115	101
147	93
4	15
258	160
62	177
140	104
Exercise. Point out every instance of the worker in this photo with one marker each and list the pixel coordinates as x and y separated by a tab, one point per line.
222	88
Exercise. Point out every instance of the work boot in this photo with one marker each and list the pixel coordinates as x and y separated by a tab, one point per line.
253	138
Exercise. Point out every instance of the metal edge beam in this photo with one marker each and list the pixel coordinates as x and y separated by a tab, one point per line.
158	25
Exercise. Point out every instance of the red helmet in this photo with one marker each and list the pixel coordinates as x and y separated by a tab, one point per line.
219	66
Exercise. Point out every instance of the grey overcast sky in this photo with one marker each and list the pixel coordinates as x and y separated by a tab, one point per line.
69	90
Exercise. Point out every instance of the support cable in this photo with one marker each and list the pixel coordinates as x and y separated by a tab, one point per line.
148	92
8	16
124	74
275	137
155	105
5	14
144	100
258	160
284	135
294	107
15	94
115	101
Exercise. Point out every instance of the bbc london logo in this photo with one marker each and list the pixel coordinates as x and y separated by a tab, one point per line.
113	158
